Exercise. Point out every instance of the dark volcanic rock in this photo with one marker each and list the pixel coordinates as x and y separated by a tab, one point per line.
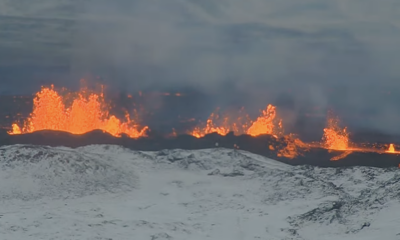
258	145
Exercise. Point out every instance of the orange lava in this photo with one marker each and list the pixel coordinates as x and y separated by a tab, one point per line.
220	125
266	123
85	110
334	137
341	156
391	149
210	128
88	111
294	147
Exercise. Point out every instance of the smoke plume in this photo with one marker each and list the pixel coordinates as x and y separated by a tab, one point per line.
326	54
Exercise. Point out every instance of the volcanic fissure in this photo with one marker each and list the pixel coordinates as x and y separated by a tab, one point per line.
76	114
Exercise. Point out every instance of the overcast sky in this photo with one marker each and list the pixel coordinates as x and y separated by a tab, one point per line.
252	45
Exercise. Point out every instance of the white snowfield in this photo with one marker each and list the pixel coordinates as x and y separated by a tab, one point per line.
108	192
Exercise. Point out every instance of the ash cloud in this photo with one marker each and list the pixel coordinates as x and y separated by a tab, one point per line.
330	54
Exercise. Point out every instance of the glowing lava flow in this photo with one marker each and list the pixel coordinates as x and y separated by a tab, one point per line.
266	123
294	147
87	112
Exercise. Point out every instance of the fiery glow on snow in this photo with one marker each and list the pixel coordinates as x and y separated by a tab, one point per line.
88	111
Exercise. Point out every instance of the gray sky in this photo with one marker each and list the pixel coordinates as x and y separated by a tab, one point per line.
260	48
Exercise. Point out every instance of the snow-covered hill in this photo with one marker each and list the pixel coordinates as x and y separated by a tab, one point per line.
108	192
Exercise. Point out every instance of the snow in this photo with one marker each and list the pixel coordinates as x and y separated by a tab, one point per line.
108	192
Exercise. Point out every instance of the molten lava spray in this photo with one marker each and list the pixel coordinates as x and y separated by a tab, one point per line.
391	149
215	124
87	112
334	137
266	123
210	128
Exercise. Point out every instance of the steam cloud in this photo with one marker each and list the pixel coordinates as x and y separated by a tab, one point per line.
327	53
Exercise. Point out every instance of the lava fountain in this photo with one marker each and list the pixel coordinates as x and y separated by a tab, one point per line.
335	137
85	111
391	148
266	123
88	111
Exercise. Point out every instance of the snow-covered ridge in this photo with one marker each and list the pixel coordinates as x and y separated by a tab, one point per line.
37	171
203	193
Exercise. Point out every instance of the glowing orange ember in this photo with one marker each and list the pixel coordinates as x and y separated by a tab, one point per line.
87	112
334	137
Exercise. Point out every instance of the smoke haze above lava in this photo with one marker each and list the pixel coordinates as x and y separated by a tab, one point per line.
335	54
